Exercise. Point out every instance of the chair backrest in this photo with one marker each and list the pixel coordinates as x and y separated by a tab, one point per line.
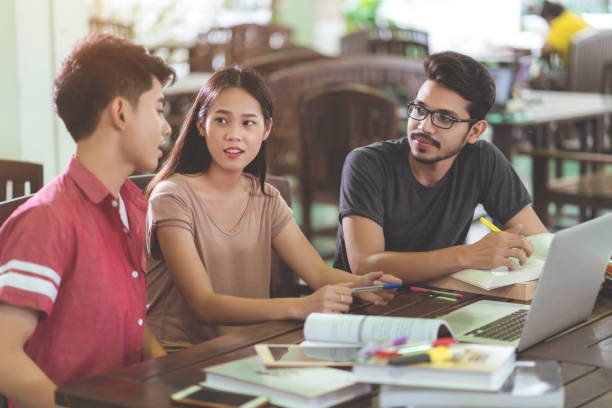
606	81
589	51
387	40
333	121
19	173
221	47
397	74
142	180
9	206
283	281
270	62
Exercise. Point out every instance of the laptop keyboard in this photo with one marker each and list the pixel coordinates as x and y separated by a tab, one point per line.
507	328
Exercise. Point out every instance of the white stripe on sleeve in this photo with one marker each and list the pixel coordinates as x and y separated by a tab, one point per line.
32	268
29	284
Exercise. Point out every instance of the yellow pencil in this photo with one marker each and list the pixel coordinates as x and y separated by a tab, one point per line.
488	224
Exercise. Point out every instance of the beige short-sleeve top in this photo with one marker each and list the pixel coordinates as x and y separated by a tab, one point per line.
237	260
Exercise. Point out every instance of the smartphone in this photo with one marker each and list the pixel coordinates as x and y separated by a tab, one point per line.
293	355
204	396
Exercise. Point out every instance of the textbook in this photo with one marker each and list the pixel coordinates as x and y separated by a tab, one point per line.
473	367
499	277
327	328
286	387
532	384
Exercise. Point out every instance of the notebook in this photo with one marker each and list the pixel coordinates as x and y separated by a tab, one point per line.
565	294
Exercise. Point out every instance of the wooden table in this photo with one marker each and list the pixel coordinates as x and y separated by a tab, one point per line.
541	109
587	375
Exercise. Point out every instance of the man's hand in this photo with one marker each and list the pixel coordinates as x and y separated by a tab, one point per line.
378	297
497	248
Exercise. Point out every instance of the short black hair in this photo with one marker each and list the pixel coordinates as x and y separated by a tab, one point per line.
551	10
100	68
464	75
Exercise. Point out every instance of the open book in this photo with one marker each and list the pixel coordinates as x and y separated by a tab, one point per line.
362	329
498	277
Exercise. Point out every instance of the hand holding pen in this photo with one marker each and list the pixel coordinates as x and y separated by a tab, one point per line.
500	248
377	288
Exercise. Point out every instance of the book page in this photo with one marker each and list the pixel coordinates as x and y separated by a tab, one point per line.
361	329
502	276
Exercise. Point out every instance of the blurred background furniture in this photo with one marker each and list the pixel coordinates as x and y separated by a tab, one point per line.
590	191
333	121
397	76
6	209
283	281
19	174
589	52
221	47
266	64
606	80
387	40
109	26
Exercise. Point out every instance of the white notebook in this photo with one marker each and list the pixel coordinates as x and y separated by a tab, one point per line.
498	277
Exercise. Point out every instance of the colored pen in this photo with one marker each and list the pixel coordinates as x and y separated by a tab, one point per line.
436	292
436	354
488	224
396	342
377	287
492	227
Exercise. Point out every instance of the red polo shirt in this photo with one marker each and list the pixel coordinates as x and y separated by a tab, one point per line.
67	253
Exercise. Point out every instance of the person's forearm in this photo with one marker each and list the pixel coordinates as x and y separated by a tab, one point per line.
413	266
326	275
225	309
23	382
150	346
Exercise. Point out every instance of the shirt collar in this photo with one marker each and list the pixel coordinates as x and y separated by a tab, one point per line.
95	190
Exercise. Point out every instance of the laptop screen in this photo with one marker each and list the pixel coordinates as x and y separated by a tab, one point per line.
504	81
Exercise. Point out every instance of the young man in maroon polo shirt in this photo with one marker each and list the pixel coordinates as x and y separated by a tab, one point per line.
72	283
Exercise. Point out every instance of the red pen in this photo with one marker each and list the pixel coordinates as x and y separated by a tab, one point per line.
435	292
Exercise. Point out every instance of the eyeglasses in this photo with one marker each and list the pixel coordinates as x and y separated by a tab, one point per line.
438	119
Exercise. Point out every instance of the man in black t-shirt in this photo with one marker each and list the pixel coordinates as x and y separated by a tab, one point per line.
406	205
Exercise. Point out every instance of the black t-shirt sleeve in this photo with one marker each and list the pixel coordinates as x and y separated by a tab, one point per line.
362	186
503	193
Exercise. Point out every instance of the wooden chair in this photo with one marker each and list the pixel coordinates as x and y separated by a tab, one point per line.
589	51
387	40
591	191
222	47
7	207
395	74
333	121
19	173
270	62
283	281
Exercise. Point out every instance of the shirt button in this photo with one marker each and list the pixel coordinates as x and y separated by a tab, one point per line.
114	203
134	274
140	322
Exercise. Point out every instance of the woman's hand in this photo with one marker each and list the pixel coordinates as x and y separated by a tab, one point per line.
327	299
378	297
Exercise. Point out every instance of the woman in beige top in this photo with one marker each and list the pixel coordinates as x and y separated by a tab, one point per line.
213	221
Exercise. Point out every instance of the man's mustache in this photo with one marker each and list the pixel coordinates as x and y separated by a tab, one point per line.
425	136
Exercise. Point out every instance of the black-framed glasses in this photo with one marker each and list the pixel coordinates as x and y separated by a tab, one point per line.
438	118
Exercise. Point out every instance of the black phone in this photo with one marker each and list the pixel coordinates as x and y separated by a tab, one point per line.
204	396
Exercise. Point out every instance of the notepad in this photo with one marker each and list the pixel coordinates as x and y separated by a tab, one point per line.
499	277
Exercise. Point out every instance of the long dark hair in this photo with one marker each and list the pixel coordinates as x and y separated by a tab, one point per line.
190	154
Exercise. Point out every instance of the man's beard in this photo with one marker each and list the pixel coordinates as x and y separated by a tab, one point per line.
435	143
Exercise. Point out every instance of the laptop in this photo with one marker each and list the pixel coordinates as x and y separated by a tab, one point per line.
565	295
504	76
